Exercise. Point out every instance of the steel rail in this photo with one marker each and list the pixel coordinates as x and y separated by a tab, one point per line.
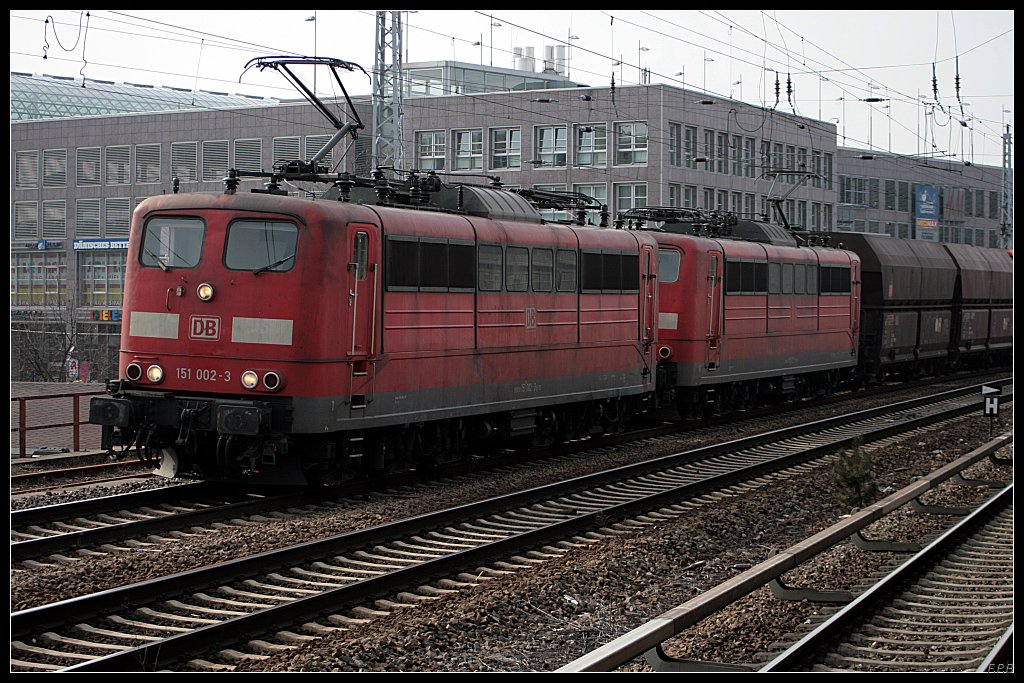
41	618
648	637
882	592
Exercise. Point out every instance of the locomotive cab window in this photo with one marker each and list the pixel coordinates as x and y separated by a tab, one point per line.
261	246
172	242
668	265
360	253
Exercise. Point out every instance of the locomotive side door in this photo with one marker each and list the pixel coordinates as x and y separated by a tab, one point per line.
713	288
649	306
362	277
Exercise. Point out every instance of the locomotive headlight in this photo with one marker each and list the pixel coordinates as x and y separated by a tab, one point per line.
155	374
250	379
272	381
133	372
204	291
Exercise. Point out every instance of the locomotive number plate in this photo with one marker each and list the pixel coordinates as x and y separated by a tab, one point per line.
204	374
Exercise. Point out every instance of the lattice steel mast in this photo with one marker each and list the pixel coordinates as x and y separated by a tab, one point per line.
387	92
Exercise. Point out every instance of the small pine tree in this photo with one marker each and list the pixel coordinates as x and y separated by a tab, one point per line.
854	477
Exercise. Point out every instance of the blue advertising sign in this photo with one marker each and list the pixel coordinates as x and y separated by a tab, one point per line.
927	204
926	212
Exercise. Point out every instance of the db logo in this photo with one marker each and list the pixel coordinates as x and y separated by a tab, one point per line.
204	327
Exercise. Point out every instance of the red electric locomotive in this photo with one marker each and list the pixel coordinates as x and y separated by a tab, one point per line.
297	340
746	315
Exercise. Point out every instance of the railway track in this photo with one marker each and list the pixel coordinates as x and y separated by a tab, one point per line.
220	603
139	519
36	532
946	609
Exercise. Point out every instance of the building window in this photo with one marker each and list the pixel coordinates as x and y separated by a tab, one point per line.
506	148
630	143
903	196
430	150
749	205
749	157
890	195
675	195
215	160
26	220
315	143
675	144
816	168
147	163
118	167
709	150
87	218
55	219
766	157
853	190
722	160
735	154
690	197
185	161
88	166
468	148
591	145
827	171
117	216
690	147
630	196
249	155
26	170
550	147
38	279
283	150
55	168
826	217
101	278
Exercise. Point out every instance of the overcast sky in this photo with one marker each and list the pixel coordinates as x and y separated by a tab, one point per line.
834	59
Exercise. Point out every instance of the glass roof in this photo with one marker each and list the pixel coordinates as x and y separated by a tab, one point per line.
47	97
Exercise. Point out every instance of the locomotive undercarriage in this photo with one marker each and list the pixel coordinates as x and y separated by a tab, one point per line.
719	399
422	446
244	440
